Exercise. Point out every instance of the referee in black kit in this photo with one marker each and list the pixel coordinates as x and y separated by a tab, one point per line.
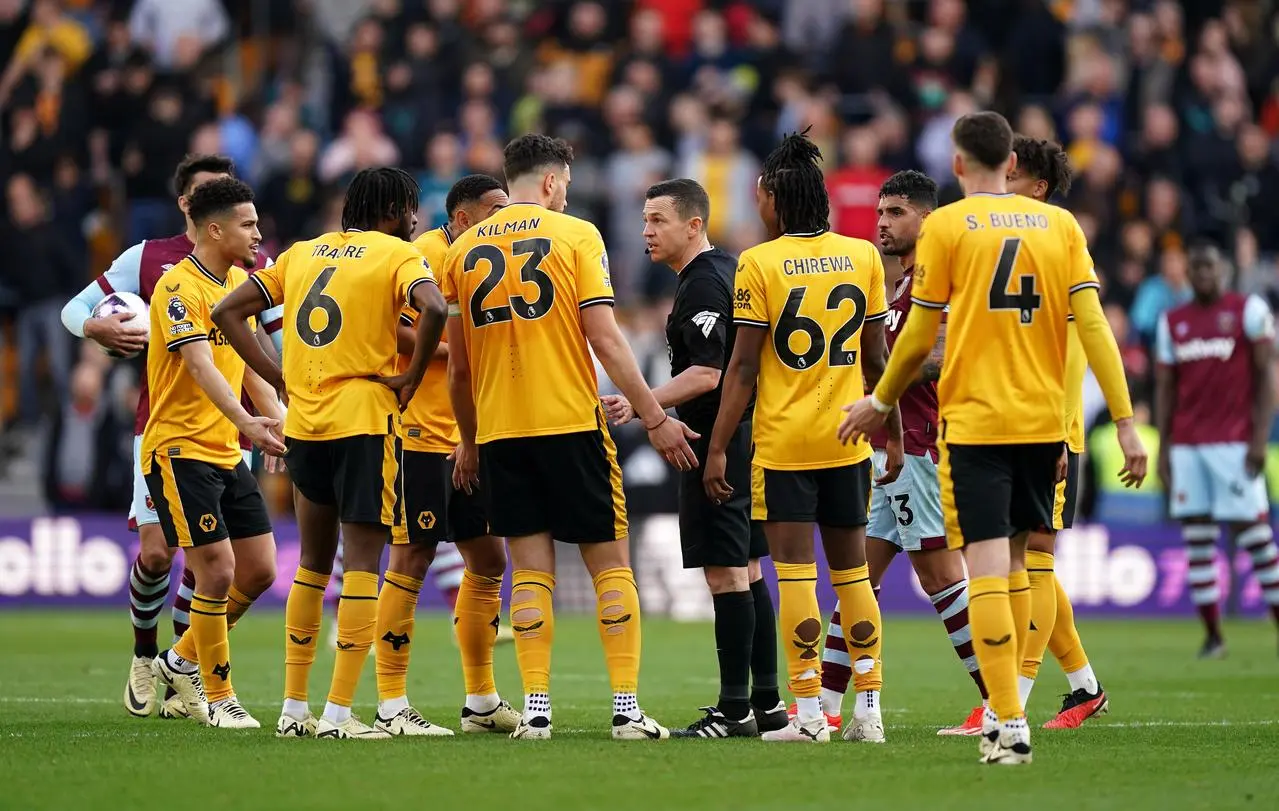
720	539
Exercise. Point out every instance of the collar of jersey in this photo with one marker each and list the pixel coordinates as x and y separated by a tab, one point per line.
448	237
200	267
809	234
991	194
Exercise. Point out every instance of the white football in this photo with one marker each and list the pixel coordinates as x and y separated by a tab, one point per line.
125	303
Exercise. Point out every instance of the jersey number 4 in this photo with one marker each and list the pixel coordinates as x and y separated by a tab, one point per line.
536	249
792	322
1025	300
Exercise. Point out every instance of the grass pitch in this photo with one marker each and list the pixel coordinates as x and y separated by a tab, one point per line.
1181	733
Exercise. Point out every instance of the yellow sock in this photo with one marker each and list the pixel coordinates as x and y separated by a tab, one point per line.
237	604
862	626
357	622
396	616
533	621
617	603
1064	642
990	616
208	626
479	603
185	646
1019	600
800	620
1043	610
302	615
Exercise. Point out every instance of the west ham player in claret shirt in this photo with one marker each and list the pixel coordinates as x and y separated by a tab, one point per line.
1213	405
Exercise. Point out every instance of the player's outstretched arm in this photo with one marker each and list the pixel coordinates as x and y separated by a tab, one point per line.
231	315
668	436
197	357
917	338
739	383
1103	356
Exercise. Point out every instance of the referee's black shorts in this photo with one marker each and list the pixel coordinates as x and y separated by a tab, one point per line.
720	534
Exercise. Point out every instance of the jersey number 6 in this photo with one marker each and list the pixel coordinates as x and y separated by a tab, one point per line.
792	322
316	299
536	248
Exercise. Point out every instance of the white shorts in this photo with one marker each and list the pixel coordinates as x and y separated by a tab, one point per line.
142	510
1209	480
907	512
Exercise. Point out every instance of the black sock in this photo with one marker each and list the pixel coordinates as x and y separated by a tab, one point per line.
734	629
764	693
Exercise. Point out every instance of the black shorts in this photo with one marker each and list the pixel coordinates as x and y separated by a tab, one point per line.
1066	494
360	475
199	503
829	496
569	485
996	491
434	510
720	534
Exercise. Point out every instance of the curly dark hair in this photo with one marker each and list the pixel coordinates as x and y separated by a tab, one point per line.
918	188
793	176
193	165
986	137
530	152
468	190
1046	161
378	195
217	197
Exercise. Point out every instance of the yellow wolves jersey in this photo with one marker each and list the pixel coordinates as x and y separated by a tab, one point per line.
429	425
184	422
342	294
813	294
1076	368
518	281
1006	265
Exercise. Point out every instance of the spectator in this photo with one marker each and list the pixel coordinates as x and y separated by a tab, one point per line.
87	463
177	34
854	189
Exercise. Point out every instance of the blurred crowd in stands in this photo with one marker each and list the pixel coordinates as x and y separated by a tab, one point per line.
1169	111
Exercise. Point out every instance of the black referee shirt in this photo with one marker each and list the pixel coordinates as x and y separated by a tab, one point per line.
700	331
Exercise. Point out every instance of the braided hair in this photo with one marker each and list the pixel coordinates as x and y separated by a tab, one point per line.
379	195
794	178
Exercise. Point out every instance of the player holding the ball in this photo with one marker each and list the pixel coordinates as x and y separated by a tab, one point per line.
103	312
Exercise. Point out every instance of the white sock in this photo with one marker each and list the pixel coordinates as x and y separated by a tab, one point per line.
1083	679
297	710
336	713
536	704
1024	686
832	702
867	702
808	709
183	666
482	704
392	706
627	704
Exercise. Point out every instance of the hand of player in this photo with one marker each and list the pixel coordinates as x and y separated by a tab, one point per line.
617	408
1063	464
893	464
270	462
1164	466
670	438
261	432
1135	461
403	385
860	421
1255	461
116	333
714	478
466	467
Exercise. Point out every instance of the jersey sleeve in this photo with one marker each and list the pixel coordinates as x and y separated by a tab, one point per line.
447	278
705	312
1163	343
932	280
750	302
413	269
876	299
125	273
1083	274
594	284
270	282
184	315
1258	321
272	318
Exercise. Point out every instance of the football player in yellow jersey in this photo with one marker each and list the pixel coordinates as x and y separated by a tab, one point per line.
437	512
809	306
343	294
205	495
1042	171
1012	270
529	298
